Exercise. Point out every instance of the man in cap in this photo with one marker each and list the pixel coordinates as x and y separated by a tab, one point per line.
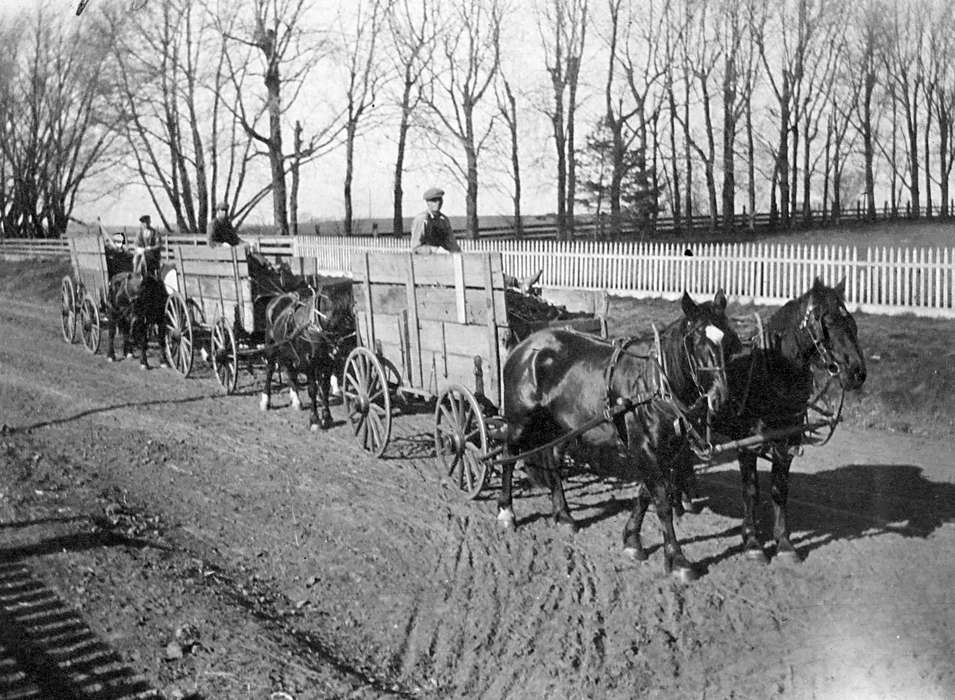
146	248
431	230
221	231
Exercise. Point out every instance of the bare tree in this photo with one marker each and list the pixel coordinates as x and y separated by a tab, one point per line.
363	78
412	30
56	125
563	31
288	54
905	79
463	70
507	107
632	93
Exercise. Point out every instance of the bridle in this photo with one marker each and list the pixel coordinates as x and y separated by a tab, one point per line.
718	368
814	327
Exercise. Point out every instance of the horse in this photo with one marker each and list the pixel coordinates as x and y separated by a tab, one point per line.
560	383
771	386
134	304
309	334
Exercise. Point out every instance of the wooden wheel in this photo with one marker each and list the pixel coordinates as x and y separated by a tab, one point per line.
224	355
89	325
178	335
460	439
366	398
68	310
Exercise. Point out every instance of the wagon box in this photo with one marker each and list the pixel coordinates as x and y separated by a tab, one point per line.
436	328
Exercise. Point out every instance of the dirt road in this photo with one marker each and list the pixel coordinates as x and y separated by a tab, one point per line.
204	547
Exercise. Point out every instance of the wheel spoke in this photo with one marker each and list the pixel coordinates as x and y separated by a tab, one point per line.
454	463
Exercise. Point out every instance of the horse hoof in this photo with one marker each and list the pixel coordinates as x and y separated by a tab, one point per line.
788	557
635	553
568	526
313	427
691	507
143	366
111	359
129	355
264	403
505	519
685	574
756	554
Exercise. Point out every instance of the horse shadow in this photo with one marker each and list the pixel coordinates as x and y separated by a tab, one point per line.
850	502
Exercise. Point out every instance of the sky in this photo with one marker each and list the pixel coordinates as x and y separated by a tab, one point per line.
321	194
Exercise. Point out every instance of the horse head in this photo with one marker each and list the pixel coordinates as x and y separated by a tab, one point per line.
833	333
697	347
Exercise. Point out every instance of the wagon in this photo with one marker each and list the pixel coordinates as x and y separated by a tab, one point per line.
83	295
435	328
219	310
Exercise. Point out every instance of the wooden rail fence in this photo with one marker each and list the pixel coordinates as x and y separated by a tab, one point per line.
878	279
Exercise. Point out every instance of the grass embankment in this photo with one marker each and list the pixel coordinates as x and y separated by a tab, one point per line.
911	361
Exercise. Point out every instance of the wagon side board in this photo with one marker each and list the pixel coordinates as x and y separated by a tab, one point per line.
88	256
436	319
217	279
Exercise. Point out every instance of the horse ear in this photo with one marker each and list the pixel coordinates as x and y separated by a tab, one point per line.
818	284
689	306
841	288
719	301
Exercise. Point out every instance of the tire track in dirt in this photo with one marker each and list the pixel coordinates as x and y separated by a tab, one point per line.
405	576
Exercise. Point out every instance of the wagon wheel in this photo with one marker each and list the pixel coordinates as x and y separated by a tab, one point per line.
460	439
89	325
225	356
68	310
366	398
178	334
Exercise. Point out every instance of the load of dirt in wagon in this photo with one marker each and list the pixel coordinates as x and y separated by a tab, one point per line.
527	313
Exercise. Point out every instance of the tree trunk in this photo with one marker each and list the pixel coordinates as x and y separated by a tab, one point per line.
928	164
674	157
276	160
687	152
782	155
296	167
729	139
349	173
868	145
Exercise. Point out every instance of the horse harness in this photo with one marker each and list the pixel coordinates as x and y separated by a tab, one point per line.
293	330
616	406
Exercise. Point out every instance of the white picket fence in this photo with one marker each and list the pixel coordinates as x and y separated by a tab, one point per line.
878	279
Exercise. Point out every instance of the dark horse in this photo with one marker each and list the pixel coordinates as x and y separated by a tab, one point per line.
559	382
134	304
771	388
309	333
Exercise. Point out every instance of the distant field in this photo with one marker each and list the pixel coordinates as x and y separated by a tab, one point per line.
897	233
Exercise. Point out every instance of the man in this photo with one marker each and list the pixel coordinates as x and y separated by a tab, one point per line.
221	231
431	230
147	247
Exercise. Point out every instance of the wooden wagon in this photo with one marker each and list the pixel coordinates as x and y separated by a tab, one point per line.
220	309
434	328
84	294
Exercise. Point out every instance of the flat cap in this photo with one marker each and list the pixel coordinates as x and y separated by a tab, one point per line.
433	193
144	219
222	205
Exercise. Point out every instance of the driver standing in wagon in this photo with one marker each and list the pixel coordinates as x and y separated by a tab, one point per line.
147	247
431	230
